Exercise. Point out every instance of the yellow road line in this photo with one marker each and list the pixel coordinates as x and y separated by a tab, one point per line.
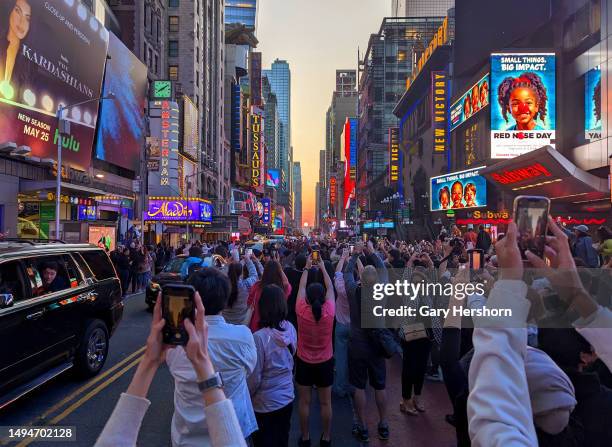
84	399
89	384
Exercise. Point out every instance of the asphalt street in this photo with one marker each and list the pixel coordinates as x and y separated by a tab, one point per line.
87	405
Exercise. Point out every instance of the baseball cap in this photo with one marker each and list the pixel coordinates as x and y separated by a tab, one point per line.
582	228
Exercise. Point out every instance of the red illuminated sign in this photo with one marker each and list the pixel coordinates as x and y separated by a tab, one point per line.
333	191
518	175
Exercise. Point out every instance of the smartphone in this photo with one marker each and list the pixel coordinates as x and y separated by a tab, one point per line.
531	218
476	259
177	305
365	237
241	250
351	248
315	256
249	251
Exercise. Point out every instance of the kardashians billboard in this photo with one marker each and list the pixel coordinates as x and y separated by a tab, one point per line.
52	53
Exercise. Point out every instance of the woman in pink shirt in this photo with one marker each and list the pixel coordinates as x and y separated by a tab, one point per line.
315	309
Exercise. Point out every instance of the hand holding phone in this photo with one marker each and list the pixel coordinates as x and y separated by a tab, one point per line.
315	256
531	218
177	306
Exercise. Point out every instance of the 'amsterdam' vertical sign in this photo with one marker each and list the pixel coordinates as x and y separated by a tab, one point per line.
164	123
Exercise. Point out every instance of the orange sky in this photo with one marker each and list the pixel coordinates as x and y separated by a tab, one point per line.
316	37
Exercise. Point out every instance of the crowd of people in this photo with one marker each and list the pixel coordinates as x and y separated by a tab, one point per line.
282	321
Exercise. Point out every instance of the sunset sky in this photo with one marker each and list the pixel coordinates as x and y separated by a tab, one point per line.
316	37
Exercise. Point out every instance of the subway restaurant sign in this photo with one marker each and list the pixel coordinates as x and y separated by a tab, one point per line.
257	148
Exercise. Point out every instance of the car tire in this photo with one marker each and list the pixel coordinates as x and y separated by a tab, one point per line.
92	351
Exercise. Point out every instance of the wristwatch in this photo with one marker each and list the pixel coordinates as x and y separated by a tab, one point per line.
215	381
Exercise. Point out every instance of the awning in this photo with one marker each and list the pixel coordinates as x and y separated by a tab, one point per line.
545	172
229	224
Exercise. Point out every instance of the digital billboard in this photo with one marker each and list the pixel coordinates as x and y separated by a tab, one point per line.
439	110
190	133
523	103
188	177
56	57
592	104
120	136
350	158
273	178
470	103
465	189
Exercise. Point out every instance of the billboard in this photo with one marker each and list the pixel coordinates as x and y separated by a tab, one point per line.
470	103
188	177
176	209
439	110
86	212
523	103
120	136
191	136
56	57
394	156
592	104
164	125
465	189
102	236
273	178
350	159
255	78
354	122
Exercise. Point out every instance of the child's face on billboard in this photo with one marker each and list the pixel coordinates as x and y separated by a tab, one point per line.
523	105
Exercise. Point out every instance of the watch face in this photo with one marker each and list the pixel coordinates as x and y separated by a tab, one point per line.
162	89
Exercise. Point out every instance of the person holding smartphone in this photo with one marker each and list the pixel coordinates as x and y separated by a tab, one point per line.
123	426
315	308
232	351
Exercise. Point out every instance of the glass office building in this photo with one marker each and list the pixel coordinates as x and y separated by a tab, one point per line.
241	11
279	77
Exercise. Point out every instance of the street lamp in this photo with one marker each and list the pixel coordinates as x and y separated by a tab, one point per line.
63	126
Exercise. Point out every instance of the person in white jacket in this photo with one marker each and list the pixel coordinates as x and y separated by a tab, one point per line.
121	429
499	406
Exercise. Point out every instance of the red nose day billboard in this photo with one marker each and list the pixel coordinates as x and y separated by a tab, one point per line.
52	53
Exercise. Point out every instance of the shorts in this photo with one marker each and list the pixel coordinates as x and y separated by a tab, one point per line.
363	368
320	375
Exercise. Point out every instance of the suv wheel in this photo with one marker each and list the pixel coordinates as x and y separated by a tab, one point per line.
93	349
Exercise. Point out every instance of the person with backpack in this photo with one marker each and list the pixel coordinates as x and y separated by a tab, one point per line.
315	308
193	262
237	308
483	240
365	360
583	247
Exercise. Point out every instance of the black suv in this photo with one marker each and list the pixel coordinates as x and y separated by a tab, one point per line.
59	305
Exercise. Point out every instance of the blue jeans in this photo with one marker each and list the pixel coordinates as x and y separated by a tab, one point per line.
341	339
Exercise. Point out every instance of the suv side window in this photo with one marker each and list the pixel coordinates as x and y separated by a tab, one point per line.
83	265
11	280
73	272
47	274
99	263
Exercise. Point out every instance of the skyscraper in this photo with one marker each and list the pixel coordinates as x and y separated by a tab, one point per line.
241	11
280	82
297	194
420	8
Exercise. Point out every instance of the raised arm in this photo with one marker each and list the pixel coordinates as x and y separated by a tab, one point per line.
304	278
329	286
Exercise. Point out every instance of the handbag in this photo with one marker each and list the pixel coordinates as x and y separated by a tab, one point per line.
412	332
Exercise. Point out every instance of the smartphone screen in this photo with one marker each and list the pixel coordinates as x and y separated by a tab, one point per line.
476	258
531	218
365	237
315	256
177	304
351	248
249	251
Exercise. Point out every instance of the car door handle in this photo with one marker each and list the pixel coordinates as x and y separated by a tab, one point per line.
35	315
